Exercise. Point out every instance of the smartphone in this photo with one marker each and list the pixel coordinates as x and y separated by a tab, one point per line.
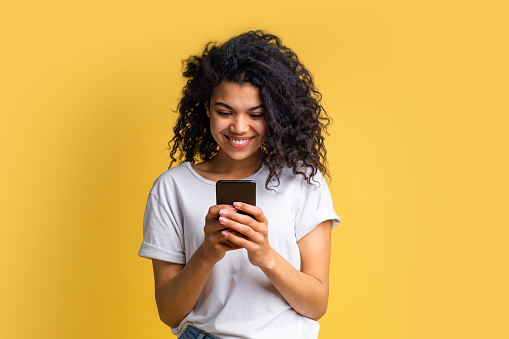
229	191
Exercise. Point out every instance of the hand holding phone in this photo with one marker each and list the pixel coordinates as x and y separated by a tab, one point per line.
251	235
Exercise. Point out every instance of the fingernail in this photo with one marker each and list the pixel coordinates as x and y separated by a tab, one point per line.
223	212
222	220
236	204
224	233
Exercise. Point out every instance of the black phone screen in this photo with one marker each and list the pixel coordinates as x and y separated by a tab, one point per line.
229	191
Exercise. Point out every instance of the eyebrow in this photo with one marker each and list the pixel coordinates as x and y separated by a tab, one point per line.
229	107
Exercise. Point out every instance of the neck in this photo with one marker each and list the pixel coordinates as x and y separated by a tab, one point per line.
222	163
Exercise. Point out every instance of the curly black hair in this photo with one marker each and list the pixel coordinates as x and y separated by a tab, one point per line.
295	119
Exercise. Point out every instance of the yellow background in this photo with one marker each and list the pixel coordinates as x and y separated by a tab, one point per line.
418	156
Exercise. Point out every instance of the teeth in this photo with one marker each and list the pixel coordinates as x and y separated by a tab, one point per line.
239	142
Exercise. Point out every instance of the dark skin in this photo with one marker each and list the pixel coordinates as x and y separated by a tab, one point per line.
239	131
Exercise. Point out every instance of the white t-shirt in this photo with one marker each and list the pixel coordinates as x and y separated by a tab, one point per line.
238	300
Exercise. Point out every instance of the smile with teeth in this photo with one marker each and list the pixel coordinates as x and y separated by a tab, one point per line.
239	141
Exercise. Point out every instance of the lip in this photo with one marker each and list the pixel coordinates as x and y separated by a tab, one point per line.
237	145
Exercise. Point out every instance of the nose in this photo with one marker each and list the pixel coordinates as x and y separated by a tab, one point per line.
239	125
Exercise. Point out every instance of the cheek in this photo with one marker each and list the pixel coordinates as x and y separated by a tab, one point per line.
216	128
262	129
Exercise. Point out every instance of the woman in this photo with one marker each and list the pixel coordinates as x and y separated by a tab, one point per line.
249	110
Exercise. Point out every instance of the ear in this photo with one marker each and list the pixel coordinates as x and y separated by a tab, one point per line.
207	107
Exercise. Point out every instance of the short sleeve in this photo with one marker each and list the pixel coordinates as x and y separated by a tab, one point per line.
162	236
314	206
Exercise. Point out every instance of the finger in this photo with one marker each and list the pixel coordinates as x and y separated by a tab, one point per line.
236	240
213	211
212	226
245	220
232	231
220	240
243	229
255	211
238	217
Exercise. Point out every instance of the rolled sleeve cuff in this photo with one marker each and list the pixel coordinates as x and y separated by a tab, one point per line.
153	252
315	220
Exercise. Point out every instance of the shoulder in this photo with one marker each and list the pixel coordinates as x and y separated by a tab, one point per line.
172	178
172	174
177	171
288	177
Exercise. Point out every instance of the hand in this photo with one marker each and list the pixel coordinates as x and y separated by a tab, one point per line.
249	233
215	244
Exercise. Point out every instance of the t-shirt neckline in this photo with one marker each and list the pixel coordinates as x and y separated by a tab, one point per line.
210	182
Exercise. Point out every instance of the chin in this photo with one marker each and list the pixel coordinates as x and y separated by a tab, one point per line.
241	155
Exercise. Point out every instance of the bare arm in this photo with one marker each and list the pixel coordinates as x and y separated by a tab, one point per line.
177	286
307	290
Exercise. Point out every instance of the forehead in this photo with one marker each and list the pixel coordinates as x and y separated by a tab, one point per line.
237	95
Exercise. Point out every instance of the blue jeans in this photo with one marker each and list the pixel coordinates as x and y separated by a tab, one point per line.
192	332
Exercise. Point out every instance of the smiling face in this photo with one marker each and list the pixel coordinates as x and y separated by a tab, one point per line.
237	120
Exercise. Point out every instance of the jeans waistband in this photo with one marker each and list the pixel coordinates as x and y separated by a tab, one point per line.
194	332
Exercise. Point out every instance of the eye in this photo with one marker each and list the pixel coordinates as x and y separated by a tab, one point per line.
224	113
257	115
